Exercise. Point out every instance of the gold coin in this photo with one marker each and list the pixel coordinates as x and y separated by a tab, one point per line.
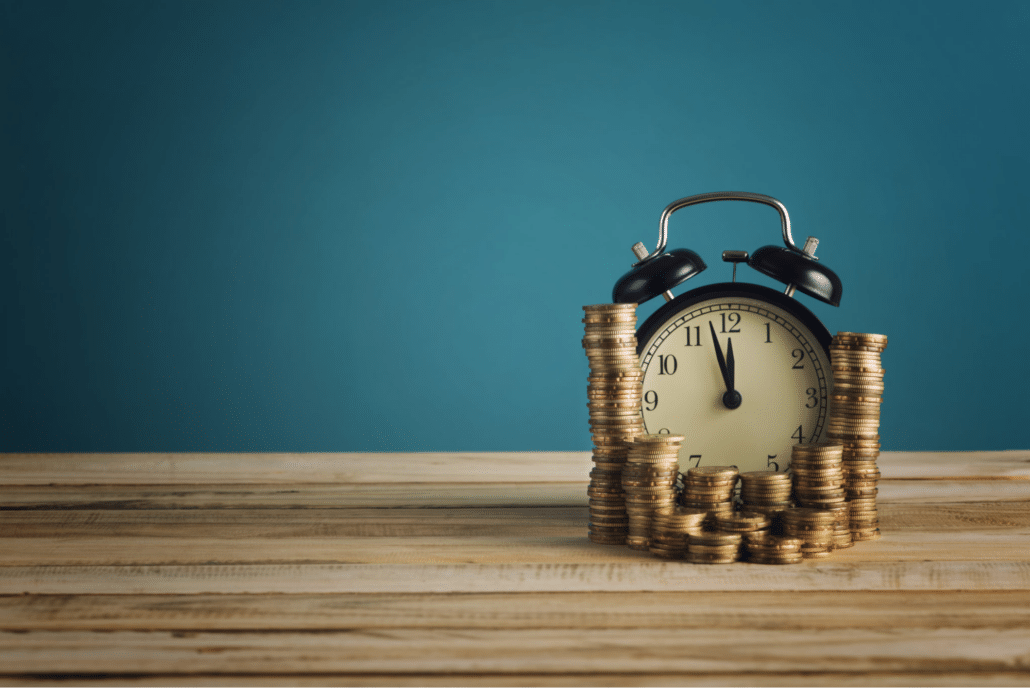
659	439
708	559
861	358
751	520
633	468
854	374
851	399
817	447
863	336
773	543
809	515
765	476
637	450
715	538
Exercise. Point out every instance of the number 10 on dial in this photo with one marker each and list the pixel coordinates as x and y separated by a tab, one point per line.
742	371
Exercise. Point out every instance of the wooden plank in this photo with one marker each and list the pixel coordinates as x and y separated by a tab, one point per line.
865	678
419	495
266	525
294	496
458	467
1012	465
576	611
1005	545
288	469
945	532
517	651
646	574
944	491
243	524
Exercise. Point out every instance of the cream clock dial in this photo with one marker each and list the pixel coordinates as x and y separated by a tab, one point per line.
742	371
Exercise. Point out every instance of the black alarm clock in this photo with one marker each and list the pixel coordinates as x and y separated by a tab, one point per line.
740	370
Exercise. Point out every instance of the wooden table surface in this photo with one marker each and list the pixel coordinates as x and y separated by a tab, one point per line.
466	568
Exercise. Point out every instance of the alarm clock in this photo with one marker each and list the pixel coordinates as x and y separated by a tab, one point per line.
740	370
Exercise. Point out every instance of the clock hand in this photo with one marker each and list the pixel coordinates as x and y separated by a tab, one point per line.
729	363
731	399
722	362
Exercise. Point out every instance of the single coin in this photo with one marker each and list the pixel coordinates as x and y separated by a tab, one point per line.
659	439
765	476
861	336
716	538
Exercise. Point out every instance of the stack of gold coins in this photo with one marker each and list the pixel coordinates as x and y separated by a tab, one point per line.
762	548
670	527
613	397
765	492
742	522
854	420
818	474
842	526
713	547
649	481
814	527
710	488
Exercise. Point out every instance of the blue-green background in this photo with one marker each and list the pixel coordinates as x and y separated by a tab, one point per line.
371	226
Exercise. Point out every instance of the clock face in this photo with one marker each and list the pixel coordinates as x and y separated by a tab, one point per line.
768	392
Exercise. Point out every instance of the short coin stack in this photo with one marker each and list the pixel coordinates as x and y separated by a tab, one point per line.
713	547
765	492
613	398
818	474
670	527
742	522
762	548
814	527
710	488
842	526
649	482
855	421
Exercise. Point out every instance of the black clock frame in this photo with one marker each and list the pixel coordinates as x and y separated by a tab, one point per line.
685	300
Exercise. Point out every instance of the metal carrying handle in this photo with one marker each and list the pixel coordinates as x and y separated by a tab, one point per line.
663	227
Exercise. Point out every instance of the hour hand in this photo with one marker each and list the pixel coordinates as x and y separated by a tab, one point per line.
727	375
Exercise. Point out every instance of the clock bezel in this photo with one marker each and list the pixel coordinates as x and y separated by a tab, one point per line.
684	301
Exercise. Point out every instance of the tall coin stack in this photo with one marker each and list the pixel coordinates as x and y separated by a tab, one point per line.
649	481
613	398
855	421
710	488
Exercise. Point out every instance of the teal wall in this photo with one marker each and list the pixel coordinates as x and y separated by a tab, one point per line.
370	226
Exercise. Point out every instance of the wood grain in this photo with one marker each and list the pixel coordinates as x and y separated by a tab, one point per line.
526	650
934	677
644	573
419	495
692	609
518	467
